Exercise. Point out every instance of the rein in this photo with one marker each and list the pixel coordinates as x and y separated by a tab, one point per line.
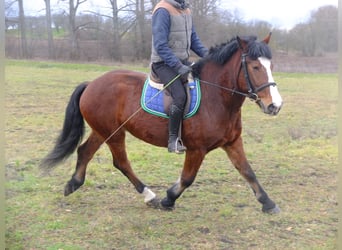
233	91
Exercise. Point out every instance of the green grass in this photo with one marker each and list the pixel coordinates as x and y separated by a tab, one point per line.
294	156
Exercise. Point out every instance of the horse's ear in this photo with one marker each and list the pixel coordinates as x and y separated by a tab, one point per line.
242	44
267	39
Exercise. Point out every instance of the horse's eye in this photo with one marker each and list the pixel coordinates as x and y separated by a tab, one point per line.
256	67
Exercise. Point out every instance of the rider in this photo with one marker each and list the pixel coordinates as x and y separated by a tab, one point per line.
173	36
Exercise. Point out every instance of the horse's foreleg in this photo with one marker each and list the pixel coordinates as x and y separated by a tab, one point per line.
193	160
121	162
85	153
236	154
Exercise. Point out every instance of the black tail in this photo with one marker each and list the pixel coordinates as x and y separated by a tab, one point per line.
72	133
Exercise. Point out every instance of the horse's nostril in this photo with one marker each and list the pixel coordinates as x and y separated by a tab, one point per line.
272	109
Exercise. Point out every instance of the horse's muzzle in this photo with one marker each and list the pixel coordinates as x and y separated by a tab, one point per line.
270	109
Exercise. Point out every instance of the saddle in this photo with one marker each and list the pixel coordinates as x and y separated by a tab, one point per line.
156	99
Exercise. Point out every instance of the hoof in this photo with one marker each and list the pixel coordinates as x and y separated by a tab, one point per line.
71	186
154	203
168	204
274	210
157	204
68	189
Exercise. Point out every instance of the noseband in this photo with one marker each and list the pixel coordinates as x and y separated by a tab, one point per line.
252	92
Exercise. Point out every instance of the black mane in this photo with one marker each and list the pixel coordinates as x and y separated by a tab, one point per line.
220	54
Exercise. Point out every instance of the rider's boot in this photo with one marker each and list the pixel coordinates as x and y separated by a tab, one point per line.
175	144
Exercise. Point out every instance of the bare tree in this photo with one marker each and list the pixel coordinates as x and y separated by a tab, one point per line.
154	2
318	35
125	31
60	21
116	51
301	39
205	18
22	27
73	28
122	21
10	14
140	29
51	48
324	27
134	25
201	8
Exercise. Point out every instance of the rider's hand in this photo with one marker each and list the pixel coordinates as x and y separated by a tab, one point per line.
184	69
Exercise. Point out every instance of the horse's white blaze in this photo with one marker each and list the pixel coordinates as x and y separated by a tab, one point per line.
149	195
276	98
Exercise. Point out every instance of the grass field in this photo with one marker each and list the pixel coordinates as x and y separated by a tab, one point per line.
294	156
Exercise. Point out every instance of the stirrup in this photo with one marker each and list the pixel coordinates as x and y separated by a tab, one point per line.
176	146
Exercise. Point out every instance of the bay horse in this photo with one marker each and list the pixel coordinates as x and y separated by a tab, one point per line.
110	104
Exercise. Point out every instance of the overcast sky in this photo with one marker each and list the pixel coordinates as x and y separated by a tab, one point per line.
281	14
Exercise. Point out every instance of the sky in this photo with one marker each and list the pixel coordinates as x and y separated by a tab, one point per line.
281	14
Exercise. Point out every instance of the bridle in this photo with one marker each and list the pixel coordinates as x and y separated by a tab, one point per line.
252	92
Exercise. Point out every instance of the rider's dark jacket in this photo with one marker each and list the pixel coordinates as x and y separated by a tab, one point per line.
173	34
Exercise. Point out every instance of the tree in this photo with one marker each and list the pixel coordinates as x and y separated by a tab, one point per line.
202	8
116	51
300	39
205	18
122	30
136	29
73	28
11	14
259	28
318	35
51	48
141	30
324	28
22	27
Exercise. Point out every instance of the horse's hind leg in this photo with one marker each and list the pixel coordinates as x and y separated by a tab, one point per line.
85	153
121	162
237	156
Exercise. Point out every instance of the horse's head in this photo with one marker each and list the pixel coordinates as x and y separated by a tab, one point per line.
255	76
